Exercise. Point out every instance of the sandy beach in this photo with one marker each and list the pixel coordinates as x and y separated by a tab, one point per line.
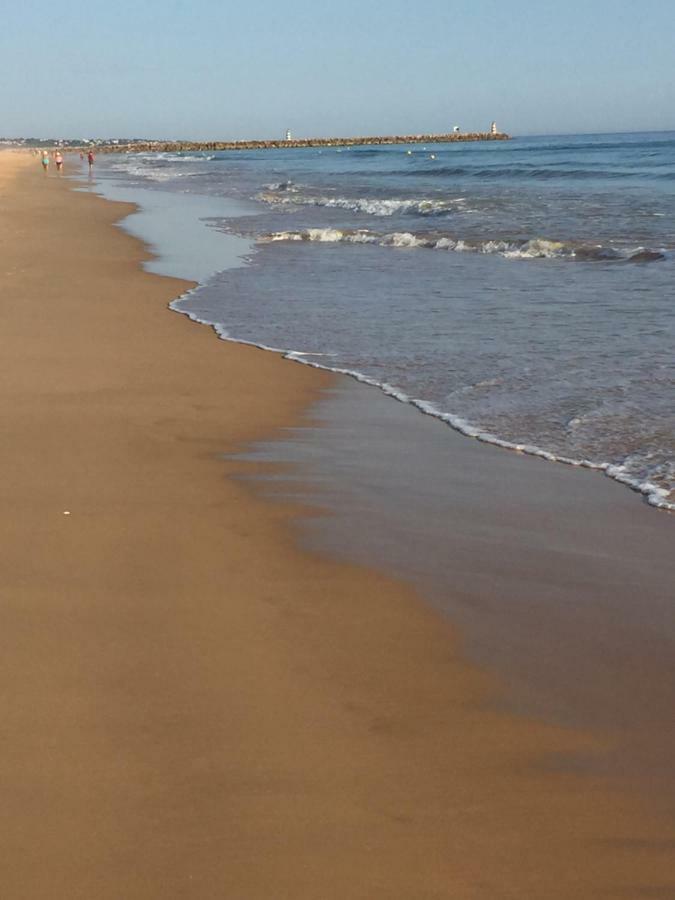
192	705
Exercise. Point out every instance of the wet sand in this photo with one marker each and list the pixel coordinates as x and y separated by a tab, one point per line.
191	705
560	579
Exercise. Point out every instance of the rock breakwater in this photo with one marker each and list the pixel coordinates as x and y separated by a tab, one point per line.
295	143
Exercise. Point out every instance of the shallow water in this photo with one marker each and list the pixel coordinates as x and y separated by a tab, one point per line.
522	291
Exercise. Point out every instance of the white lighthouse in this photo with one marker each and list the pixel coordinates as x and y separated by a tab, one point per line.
289	136
493	128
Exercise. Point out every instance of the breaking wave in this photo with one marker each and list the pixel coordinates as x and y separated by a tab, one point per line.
286	186
533	248
159	166
370	205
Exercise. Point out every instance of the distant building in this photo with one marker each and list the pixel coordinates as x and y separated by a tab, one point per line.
456	129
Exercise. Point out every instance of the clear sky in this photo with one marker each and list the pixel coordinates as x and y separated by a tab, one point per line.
219	69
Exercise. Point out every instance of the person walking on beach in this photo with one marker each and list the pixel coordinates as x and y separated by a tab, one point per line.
58	159
90	159
45	161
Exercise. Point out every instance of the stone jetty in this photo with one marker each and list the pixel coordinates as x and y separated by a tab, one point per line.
295	143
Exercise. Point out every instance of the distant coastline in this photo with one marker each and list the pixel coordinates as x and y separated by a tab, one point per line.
298	143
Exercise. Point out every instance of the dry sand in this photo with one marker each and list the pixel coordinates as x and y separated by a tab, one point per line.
191	706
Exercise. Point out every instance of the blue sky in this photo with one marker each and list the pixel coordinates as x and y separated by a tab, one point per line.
218	69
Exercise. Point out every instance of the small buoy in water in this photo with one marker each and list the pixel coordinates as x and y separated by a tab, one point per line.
409	152
433	156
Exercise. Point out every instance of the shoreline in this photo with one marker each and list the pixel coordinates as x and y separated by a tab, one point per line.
653	494
198	708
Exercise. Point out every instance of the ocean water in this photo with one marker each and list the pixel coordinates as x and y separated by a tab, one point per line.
523	292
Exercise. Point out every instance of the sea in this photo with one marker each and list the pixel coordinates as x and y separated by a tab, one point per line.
523	291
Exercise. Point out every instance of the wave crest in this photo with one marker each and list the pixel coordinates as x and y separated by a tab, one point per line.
369	205
534	248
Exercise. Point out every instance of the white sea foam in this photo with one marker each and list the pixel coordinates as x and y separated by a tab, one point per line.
157	166
402	239
147	172
536	248
322	235
187	157
286	186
